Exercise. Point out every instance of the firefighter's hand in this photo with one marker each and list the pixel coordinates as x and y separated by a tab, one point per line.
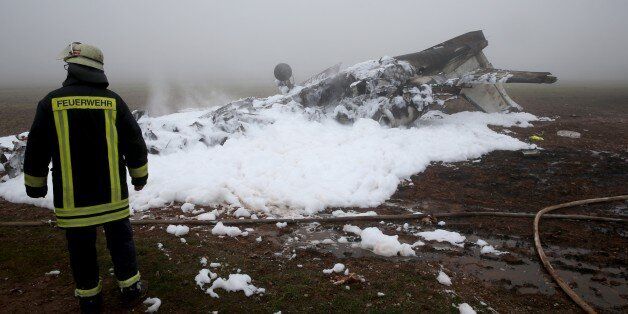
138	187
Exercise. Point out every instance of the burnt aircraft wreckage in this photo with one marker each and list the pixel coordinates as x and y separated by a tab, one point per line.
395	91
392	90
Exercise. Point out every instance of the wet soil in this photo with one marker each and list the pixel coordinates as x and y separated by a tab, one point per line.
590	256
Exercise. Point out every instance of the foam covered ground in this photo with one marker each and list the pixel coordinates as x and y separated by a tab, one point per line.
299	166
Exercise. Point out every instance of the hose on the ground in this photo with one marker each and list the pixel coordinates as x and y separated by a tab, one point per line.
539	249
240	222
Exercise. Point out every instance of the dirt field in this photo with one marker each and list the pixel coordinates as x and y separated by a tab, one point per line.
592	257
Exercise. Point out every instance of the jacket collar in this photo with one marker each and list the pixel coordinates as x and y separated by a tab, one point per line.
82	75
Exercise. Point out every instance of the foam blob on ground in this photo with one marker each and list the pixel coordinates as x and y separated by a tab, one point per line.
465	308
187	207
489	249
338	268
178	230
235	282
440	235
242	212
205	276
153	304
341	213
206	216
220	229
379	243
352	229
443	279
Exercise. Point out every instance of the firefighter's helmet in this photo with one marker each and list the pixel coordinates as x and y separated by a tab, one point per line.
83	54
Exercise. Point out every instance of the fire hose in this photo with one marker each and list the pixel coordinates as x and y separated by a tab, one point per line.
539	249
537	218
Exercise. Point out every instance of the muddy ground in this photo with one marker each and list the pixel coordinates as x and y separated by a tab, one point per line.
591	257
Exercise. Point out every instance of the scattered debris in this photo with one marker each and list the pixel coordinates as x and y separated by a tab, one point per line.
53	273
570	134
531	152
536	138
347	278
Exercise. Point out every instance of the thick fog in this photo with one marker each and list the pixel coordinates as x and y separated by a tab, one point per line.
241	41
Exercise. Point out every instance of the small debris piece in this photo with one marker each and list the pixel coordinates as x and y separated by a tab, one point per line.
347	279
531	152
570	134
137	114
535	138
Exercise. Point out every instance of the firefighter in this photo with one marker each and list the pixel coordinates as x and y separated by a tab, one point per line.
91	137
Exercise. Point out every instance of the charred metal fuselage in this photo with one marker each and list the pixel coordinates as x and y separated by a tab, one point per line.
452	68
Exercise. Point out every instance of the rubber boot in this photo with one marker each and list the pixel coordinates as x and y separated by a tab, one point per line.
133	294
91	305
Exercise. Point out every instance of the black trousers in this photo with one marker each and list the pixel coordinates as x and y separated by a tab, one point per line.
83	258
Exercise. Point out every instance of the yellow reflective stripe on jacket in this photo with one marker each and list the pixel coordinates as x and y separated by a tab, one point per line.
89	292
139	172
129	282
36	182
73	222
91	210
63	136
112	149
83	102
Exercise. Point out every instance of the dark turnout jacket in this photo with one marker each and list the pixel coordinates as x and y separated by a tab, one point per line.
91	137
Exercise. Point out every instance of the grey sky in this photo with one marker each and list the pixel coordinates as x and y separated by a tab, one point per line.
242	40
